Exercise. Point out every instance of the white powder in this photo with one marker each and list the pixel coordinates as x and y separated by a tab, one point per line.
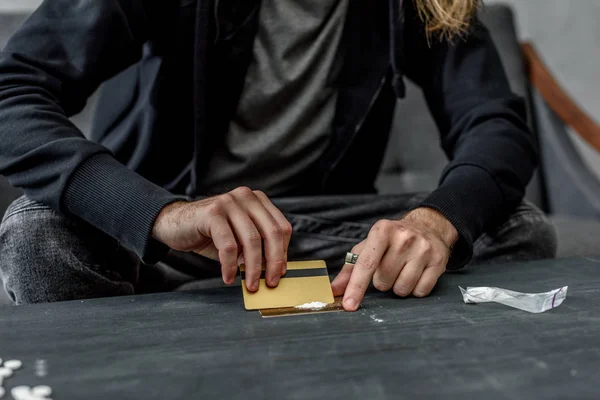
315	305
374	318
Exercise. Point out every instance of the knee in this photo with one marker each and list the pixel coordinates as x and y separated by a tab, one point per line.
526	235
48	257
24	242
25	228
539	235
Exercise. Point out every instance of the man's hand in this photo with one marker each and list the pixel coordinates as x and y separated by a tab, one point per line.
228	228
406	256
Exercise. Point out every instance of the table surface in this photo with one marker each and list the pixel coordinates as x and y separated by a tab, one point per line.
187	345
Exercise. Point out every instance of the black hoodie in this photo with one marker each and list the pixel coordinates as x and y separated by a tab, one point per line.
175	72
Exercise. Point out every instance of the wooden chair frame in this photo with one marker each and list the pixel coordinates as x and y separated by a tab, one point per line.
557	98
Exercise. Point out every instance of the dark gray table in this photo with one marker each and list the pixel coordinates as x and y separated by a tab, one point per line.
205	345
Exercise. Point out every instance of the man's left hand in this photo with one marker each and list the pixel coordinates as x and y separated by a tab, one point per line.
407	256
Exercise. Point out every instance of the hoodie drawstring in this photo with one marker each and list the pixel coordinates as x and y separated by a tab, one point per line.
395	10
200	73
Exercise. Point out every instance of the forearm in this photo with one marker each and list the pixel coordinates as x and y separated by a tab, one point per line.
468	198
47	71
492	158
119	202
483	131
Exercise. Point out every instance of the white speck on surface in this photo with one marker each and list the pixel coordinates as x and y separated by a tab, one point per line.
41	368
374	318
573	372
315	305
42	391
13	364
5	372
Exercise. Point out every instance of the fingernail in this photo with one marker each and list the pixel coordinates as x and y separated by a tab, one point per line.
275	280
253	286
350	303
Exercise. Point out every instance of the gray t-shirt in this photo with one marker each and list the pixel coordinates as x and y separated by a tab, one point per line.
285	114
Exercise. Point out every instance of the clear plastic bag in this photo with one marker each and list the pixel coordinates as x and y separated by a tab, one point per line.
531	302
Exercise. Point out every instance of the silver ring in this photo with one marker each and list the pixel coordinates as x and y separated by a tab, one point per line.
351	258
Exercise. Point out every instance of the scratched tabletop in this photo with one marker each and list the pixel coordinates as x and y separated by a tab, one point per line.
203	344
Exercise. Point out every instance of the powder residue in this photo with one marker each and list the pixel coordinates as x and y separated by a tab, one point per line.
315	305
41	368
374	318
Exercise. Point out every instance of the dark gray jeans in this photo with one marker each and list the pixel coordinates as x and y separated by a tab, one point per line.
45	256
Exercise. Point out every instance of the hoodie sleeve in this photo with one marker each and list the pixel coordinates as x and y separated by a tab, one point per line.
48	69
483	130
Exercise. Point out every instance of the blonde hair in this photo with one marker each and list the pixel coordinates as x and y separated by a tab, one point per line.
446	19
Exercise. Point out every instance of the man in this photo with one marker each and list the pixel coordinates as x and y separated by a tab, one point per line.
291	98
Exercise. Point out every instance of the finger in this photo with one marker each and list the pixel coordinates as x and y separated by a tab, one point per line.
248	235
427	281
224	241
418	258
283	222
271	233
408	278
369	260
432	272
340	282
392	263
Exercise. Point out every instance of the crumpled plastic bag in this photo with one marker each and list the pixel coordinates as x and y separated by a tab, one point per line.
531	302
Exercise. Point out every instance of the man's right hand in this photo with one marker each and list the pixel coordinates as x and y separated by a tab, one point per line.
232	228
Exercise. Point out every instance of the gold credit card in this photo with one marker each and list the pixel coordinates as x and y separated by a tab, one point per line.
304	282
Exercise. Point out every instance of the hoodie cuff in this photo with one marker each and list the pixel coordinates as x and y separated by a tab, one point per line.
119	202
468	197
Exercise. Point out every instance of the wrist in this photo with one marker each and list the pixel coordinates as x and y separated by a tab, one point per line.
435	221
164	217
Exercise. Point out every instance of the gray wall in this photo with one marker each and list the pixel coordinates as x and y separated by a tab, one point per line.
18	5
567	35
